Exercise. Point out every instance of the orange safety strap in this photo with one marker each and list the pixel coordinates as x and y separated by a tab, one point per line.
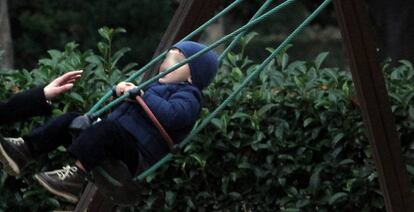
154	120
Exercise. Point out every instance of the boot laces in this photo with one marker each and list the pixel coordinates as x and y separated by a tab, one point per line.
66	171
15	141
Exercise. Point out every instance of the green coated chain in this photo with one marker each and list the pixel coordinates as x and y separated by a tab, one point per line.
248	79
162	55
237	39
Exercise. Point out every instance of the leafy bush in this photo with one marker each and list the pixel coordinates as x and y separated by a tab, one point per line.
292	141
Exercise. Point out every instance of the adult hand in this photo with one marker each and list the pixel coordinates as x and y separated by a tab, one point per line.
61	84
123	87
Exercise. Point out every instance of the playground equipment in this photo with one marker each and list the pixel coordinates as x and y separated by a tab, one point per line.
367	77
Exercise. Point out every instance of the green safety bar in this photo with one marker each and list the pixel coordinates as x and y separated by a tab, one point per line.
214	45
248	79
163	54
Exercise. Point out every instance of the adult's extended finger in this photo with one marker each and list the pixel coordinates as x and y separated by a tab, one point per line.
69	75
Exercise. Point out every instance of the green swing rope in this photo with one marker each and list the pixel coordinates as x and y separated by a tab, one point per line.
217	43
249	78
243	29
162	55
237	39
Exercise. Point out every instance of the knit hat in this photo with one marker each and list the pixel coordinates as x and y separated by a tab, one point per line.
203	68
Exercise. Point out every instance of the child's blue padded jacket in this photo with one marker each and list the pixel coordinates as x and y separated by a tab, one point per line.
176	106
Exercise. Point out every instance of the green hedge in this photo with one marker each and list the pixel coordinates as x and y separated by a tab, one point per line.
293	141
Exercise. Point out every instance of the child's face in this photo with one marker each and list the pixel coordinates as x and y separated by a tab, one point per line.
182	74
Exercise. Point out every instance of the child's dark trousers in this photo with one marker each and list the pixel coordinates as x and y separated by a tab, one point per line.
103	140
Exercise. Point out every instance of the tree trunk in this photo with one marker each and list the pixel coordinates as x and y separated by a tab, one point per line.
6	47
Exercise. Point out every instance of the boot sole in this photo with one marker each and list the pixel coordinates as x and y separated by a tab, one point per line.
68	197
9	165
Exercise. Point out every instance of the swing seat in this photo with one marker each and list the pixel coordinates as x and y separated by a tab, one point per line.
112	177
116	183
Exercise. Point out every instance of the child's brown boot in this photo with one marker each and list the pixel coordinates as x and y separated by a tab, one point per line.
67	182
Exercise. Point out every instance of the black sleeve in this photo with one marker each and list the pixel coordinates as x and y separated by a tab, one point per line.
24	105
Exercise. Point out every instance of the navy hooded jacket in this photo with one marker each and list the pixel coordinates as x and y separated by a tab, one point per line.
176	106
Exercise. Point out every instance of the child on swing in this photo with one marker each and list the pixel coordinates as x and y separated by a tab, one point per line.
126	134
